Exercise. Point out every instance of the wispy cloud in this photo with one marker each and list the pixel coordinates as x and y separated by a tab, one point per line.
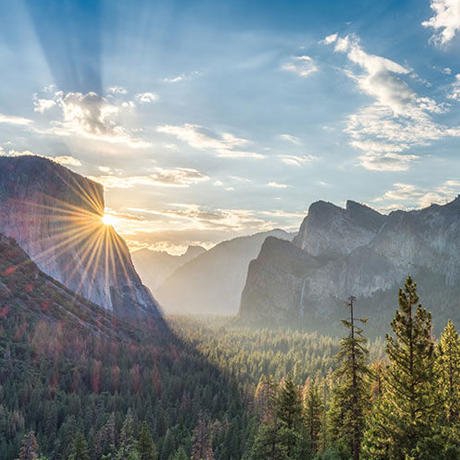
410	196
297	160
397	120
300	65
276	185
290	138
146	98
117	90
445	22
13	120
225	145
178	177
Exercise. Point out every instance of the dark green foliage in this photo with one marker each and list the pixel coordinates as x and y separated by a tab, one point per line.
79	448
314	410
146	447
351	395
404	425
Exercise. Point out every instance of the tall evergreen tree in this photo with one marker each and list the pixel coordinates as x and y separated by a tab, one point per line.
401	427
127	450
351	396
313	416
448	372
146	447
79	449
29	449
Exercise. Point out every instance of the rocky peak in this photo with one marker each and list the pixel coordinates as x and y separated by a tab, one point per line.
331	231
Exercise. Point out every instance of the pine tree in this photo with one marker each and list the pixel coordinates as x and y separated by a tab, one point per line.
79	449
351	396
448	372
146	447
127	449
202	441
180	454
402	424
29	449
313	416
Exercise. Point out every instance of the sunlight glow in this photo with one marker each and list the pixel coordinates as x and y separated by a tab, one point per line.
108	219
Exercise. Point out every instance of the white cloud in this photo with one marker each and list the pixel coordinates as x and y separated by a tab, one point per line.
67	160
411	196
301	65
397	120
93	116
225	145
41	105
178	177
445	22
182	77
276	185
63	159
117	90
297	160
290	138
455	93
146	98
13	120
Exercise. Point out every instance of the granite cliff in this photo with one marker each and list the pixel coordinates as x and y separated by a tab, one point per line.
355	251
55	215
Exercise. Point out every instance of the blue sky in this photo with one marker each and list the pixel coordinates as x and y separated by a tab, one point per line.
211	119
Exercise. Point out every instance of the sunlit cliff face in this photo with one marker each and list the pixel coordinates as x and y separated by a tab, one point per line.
58	218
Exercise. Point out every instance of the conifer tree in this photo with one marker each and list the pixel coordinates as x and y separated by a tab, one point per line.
127	450
29	449
79	449
202	441
448	372
313	416
402	424
146	446
351	396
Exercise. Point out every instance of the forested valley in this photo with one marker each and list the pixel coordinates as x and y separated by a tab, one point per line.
205	389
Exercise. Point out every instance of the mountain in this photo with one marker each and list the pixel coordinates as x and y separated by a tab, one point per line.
68	365
55	215
212	282
356	251
155	266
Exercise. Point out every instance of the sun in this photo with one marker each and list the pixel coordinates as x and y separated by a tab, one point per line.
108	219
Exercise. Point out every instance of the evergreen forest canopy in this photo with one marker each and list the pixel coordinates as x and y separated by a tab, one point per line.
80	384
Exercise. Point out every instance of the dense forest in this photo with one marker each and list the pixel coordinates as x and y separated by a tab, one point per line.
78	384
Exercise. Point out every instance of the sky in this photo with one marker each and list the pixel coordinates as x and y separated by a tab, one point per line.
207	120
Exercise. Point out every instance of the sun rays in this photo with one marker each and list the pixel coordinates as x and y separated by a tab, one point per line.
73	237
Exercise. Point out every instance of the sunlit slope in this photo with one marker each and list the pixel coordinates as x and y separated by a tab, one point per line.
56	216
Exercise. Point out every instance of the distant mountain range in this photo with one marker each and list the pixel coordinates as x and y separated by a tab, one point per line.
155	266
356	251
212	282
55	216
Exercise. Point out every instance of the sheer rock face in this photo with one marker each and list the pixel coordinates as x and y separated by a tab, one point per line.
332	231
353	251
55	216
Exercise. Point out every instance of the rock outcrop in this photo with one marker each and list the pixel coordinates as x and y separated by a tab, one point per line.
355	251
55	215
